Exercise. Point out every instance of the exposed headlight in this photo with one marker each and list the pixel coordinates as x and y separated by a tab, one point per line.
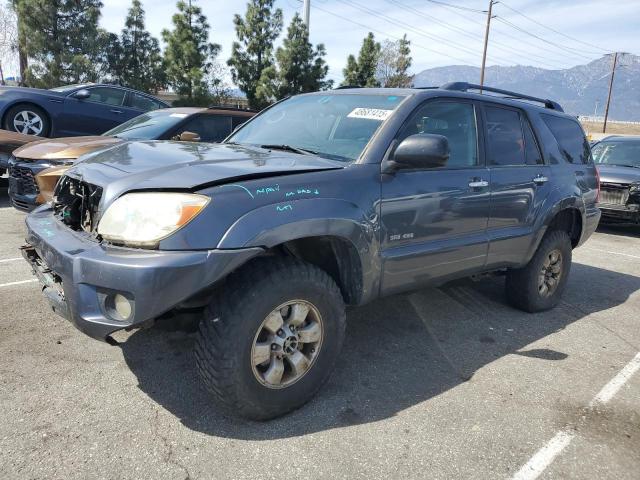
62	161
143	219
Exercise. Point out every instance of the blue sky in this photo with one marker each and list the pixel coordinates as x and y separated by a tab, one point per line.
440	35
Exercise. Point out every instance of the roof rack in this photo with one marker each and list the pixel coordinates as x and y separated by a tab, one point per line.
342	87
464	86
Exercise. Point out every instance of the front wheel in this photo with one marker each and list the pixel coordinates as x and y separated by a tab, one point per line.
540	284
270	341
27	119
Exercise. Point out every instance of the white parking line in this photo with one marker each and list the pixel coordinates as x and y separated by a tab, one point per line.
10	259
545	456
611	388
18	283
613	253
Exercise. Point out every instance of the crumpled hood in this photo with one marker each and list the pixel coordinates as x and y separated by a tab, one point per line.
64	148
613	174
157	165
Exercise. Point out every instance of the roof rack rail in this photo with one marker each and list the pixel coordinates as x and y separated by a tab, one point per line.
464	86
342	87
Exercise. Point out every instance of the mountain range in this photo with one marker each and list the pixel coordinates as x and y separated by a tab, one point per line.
581	90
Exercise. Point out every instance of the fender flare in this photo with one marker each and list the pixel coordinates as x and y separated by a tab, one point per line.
275	224
573	202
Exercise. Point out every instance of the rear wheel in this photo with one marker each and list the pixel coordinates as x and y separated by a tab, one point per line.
540	284
27	119
271	340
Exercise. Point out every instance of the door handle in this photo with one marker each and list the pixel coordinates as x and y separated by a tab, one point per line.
540	179
116	111
478	184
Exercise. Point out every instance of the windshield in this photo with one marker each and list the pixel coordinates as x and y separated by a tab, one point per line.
624	154
336	126
148	126
66	88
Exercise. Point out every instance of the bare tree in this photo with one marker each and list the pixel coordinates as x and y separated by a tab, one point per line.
394	63
8	40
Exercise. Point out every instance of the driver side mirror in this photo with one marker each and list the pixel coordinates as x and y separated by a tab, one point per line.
187	136
421	151
82	94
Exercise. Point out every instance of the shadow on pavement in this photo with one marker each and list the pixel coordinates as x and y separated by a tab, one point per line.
4	196
399	352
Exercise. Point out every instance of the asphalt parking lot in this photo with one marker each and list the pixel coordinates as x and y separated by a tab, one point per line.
442	383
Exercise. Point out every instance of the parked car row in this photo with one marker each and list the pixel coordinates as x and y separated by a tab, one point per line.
72	110
320	201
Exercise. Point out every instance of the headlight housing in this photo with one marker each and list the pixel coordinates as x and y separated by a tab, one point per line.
143	219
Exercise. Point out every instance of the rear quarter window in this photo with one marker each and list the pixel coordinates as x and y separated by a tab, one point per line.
570	137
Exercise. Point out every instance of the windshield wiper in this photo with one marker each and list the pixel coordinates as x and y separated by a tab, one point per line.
289	148
620	165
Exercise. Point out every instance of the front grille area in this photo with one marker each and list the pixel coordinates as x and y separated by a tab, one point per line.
614	194
23	181
76	203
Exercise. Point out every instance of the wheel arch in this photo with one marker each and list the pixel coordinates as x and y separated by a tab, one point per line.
330	233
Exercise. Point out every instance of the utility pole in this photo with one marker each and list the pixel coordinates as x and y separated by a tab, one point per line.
486	43
613	73
307	12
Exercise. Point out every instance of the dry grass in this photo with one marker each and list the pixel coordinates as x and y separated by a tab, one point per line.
612	128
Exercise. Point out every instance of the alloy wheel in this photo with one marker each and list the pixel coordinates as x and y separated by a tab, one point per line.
28	122
550	274
287	344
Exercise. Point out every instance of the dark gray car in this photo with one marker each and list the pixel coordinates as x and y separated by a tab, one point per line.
618	161
321	201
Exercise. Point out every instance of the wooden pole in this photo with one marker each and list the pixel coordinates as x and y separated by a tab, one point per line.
486	44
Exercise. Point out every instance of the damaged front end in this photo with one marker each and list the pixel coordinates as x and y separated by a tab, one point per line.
620	202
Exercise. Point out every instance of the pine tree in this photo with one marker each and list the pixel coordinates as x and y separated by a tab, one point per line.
362	72
140	62
189	56
62	39
253	52
394	63
300	67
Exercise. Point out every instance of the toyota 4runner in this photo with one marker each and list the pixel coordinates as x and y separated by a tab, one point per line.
323	200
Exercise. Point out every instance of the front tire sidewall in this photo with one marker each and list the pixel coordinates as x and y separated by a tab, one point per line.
272	399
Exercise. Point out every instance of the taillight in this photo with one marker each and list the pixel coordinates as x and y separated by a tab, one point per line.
597	185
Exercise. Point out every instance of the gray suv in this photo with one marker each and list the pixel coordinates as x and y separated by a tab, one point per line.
323	200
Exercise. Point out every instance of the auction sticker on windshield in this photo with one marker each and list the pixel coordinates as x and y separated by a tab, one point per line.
370	113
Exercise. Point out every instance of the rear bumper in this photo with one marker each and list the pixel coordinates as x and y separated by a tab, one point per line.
591	221
620	213
80	276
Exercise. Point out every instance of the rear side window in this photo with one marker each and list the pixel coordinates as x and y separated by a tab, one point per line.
504	137
570	138
211	128
237	121
142	103
531	150
454	120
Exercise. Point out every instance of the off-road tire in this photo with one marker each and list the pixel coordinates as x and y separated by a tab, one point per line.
16	109
522	284
231	321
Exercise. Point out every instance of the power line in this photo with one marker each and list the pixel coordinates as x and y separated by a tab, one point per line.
419	31
474	36
553	30
458	7
380	32
567	49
